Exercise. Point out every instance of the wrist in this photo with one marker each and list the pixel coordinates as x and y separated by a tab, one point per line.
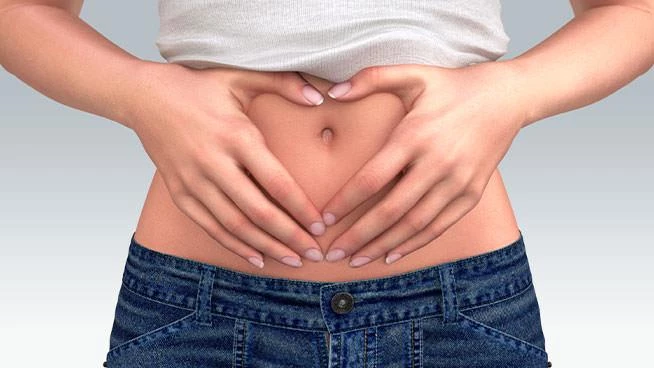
516	89
144	78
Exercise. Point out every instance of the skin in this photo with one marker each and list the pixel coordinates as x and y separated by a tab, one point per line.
65	59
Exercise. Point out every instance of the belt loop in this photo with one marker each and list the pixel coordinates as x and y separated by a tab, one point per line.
205	289
448	287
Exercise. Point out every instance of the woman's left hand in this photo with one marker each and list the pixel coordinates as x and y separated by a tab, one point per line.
460	124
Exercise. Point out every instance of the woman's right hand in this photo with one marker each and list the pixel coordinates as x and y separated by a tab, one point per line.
193	126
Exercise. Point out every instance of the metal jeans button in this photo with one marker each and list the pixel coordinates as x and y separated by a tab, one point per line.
342	302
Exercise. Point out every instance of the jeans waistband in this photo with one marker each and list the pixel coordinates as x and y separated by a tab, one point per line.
435	291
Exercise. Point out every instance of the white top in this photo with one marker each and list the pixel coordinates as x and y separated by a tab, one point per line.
332	39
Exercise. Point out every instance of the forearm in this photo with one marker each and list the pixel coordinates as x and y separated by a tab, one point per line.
592	56
65	59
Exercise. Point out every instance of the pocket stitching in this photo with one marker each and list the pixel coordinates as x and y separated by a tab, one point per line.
154	300
495	333
150	335
514	295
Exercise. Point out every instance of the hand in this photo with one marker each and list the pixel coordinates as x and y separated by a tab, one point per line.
193	125
460	124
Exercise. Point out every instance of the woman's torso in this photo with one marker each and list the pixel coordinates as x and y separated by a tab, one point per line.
293	135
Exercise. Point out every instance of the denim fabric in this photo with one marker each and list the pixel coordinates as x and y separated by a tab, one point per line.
475	312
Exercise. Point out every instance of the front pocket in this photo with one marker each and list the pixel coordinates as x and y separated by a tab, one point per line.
140	320
514	321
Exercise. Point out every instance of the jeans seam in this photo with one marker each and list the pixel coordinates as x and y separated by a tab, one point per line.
516	294
126	344
527	343
375	348
155	300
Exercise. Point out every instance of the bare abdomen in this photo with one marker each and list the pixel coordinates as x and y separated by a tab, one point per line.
321	161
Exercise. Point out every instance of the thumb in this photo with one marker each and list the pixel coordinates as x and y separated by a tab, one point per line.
289	85
399	79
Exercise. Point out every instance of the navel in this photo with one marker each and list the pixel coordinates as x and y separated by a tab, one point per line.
327	135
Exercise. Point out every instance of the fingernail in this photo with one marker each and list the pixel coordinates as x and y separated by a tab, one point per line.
358	261
256	261
312	95
393	257
339	89
292	261
317	228
329	218
313	254
335	254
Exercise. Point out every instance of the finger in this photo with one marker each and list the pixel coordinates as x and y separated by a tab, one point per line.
377	172
199	214
289	85
406	81
415	221
450	215
233	221
404	195
276	180
242	205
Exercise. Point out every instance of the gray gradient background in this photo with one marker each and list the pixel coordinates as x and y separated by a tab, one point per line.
72	185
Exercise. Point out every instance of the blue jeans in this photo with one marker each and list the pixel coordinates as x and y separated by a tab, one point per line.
479	311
